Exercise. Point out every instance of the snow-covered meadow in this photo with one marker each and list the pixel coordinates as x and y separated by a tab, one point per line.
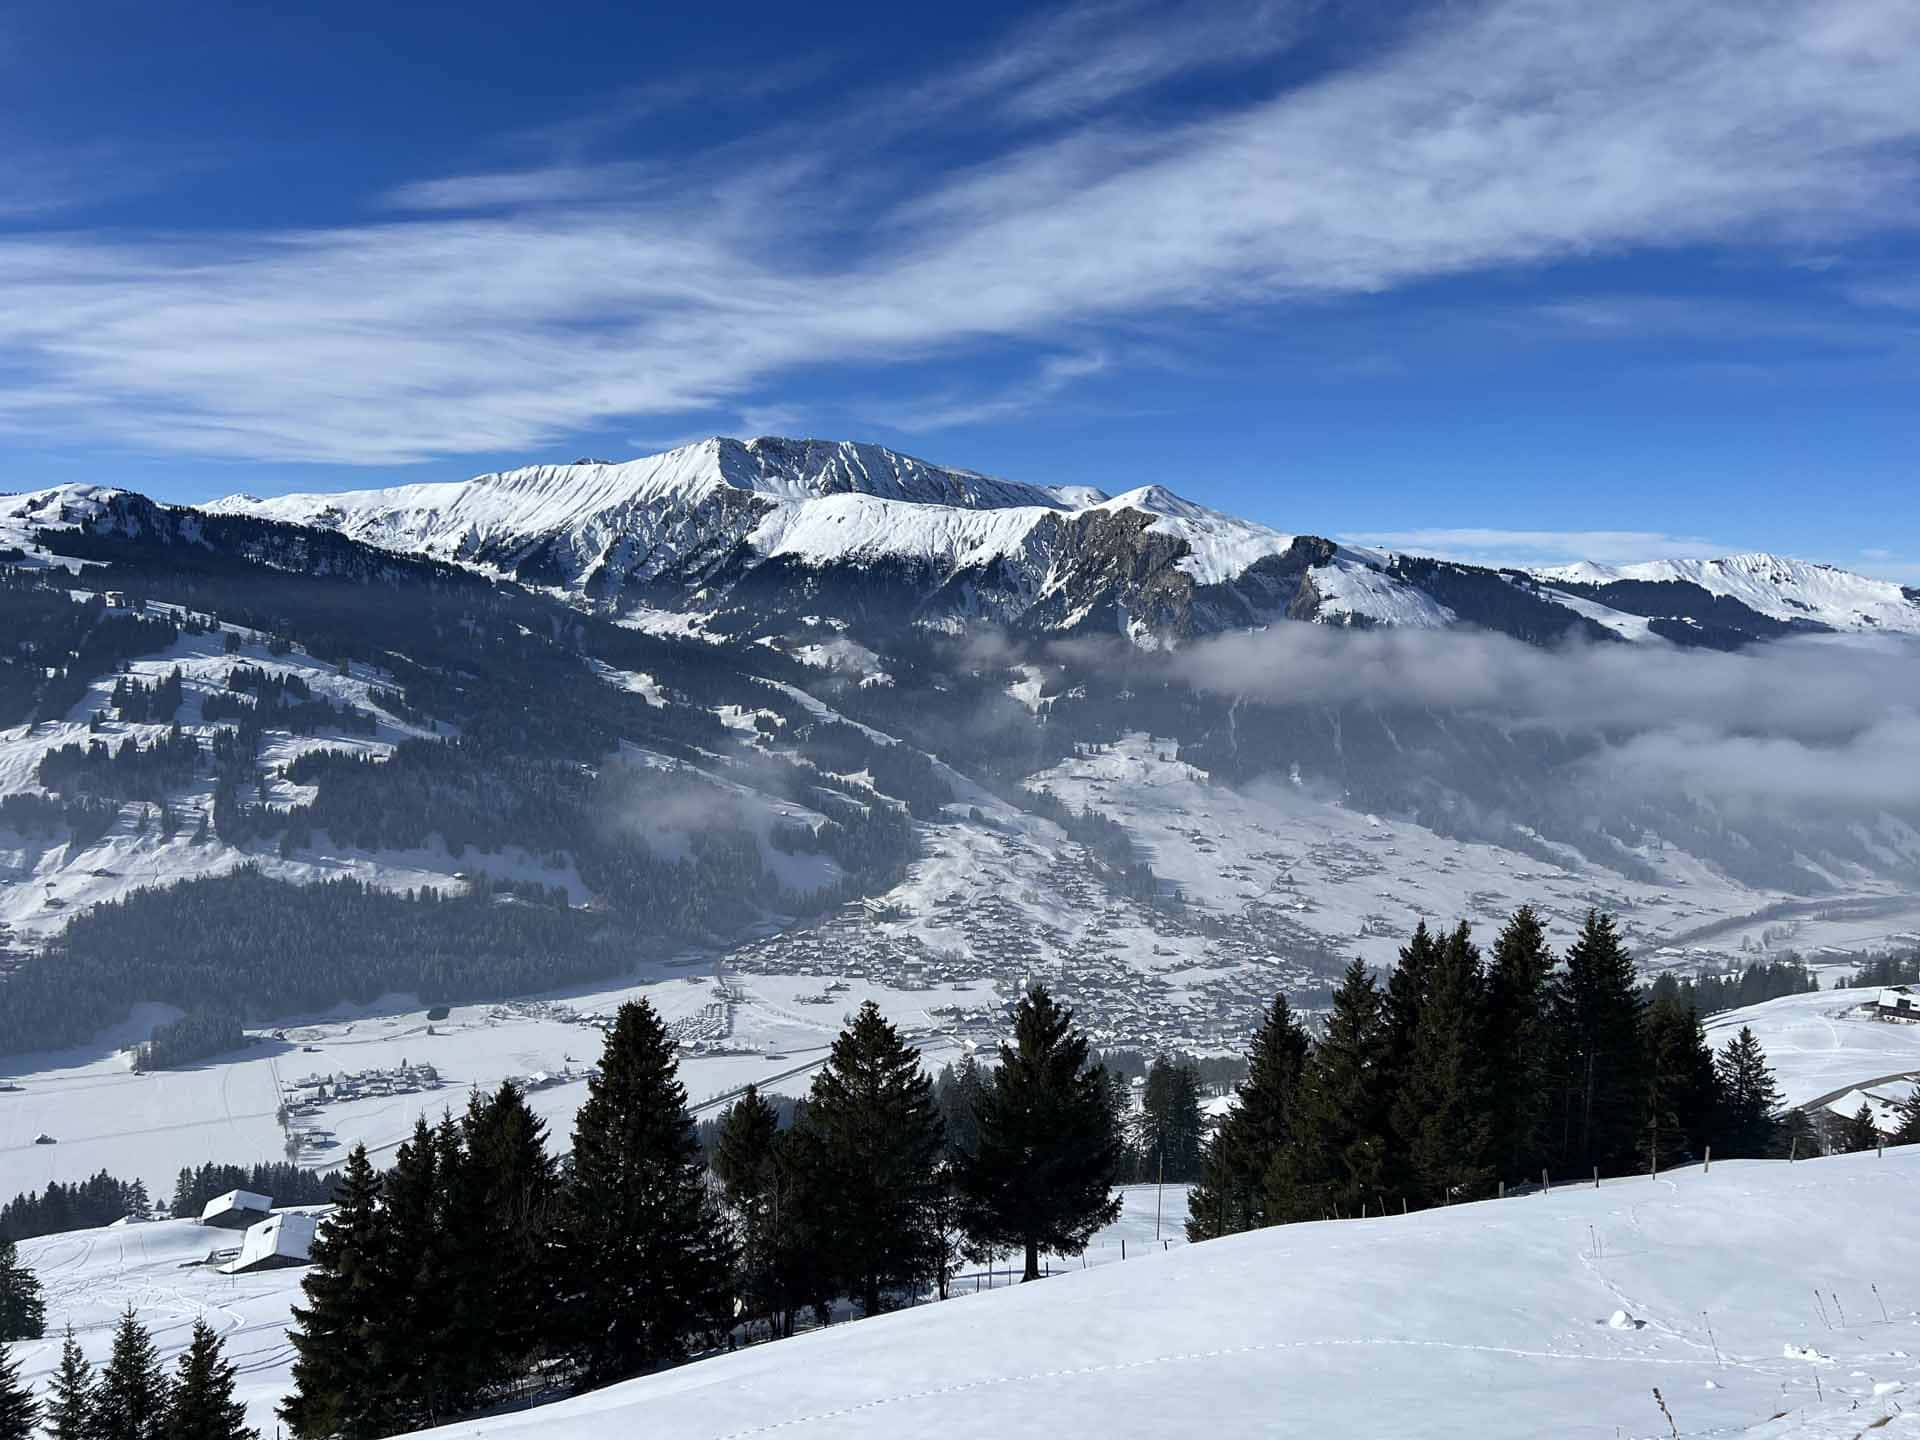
1559	1314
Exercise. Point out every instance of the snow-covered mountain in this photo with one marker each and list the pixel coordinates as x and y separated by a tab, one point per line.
744	533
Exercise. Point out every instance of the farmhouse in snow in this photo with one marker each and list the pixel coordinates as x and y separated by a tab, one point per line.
276	1243
236	1210
1898	1003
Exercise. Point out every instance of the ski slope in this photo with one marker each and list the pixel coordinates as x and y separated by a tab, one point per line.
1537	1315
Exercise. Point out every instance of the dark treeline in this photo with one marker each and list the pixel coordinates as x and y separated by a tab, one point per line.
1465	1071
104	1198
477	1268
194	1036
1710	994
1886	970
132	1397
243	940
281	1181
83	1205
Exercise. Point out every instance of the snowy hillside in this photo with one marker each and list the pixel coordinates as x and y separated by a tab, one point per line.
90	1276
1772	585
1537	1315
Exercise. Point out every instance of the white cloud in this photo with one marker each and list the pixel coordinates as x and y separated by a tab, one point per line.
1509	133
1524	549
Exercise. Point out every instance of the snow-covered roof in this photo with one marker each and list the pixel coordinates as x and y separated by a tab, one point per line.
279	1240
235	1202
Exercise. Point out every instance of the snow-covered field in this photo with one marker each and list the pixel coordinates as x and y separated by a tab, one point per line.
1825	1045
91	1276
1540	1315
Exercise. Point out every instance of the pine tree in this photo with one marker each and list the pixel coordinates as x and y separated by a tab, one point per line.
1859	1133
503	1218
1336	1161
1520	1044
1908	1131
959	1091
1749	1119
1683	1091
130	1401
1172	1128
1442	1112
1601	1048
1232	1193
646	1263
335	1382
19	1412
747	1163
23	1313
201	1405
1042	1174
69	1413
875	1137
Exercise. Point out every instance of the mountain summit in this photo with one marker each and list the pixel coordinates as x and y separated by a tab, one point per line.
742	533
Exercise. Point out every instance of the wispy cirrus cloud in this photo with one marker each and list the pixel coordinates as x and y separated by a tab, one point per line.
1527	549
501	312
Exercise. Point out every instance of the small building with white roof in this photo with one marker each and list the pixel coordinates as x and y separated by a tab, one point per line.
276	1243
236	1210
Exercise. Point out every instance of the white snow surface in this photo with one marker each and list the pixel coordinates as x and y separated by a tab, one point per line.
1484	1321
1773	585
1488	1320
1824	1043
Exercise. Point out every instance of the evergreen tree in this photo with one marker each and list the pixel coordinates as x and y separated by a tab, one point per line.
23	1313
1908	1131
412	1291
503	1219
201	1405
876	1140
747	1163
19	1412
1231	1195
1859	1133
1042	1174
1172	1128
1335	1163
644	1254
334	1376
1601	1052
1405	996
959	1092
1442	1113
130	1401
69	1413
1683	1090
1750	1101
1520	1044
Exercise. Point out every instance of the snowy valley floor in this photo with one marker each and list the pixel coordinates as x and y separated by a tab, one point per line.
1483	1320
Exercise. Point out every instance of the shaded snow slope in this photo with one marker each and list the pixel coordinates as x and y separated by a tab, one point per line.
1557	1314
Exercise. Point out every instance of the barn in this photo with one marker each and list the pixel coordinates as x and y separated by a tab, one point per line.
275	1243
236	1210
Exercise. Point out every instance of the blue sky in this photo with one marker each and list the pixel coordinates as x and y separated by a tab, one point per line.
1514	279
